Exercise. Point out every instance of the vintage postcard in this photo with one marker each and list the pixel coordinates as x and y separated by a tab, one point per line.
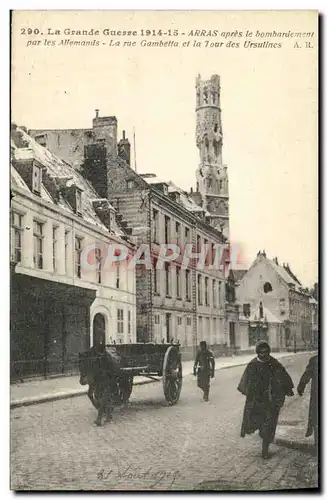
164	251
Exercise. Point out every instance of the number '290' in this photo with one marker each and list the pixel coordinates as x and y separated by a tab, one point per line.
30	31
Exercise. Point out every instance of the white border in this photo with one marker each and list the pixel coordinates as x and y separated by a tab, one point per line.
4	138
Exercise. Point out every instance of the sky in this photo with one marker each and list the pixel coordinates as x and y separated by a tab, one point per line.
268	102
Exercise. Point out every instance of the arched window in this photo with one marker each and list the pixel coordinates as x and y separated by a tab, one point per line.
267	287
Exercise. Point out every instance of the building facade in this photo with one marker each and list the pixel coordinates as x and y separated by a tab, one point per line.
274	306
186	304
65	293
314	322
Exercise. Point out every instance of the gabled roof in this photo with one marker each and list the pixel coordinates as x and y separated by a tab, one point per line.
284	275
238	274
23	146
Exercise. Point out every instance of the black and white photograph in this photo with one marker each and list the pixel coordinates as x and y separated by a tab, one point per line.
164	280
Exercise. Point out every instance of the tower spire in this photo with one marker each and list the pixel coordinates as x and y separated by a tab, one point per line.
211	175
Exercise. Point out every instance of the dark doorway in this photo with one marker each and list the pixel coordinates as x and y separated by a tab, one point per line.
168	327
99	330
232	334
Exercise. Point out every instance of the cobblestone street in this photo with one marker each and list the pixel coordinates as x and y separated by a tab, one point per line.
149	445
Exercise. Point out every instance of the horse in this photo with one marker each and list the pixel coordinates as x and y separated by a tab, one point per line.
98	370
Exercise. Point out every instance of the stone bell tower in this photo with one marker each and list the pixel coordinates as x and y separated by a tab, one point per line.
212	176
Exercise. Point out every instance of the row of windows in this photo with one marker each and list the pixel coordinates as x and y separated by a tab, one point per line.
168	281
173	232
214	293
188	322
38	248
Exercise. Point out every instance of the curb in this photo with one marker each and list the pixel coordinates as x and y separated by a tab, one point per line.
58	396
66	395
293	444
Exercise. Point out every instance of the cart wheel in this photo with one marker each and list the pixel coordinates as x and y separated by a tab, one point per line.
172	375
125	387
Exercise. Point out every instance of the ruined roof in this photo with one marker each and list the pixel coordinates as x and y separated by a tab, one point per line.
152	179
23	146
186	200
267	315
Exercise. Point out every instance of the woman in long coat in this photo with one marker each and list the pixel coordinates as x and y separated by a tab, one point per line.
265	383
311	373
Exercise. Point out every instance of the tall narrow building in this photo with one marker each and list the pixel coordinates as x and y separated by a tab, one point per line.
212	191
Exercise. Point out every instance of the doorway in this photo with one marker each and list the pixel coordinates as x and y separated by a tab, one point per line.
99	330
232	334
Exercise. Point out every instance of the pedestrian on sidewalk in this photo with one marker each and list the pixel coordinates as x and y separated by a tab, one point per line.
311	373
265	383
204	368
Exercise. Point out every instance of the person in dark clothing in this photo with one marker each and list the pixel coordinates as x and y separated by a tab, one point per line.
311	373
265	383
204	367
106	390
98	370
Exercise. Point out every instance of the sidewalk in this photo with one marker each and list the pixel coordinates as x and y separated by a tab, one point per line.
41	391
292	423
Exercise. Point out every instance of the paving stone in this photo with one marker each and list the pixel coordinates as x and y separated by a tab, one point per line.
152	446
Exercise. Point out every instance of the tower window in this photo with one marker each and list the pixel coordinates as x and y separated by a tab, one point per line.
215	147
215	127
267	287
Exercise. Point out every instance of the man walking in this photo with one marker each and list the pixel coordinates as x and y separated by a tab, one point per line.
311	373
265	383
204	368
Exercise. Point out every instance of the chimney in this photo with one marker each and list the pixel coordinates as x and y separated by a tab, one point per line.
105	130
124	149
95	167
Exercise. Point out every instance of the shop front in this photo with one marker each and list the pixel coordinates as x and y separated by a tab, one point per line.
49	326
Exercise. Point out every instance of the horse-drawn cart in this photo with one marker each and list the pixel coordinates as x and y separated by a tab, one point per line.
127	361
